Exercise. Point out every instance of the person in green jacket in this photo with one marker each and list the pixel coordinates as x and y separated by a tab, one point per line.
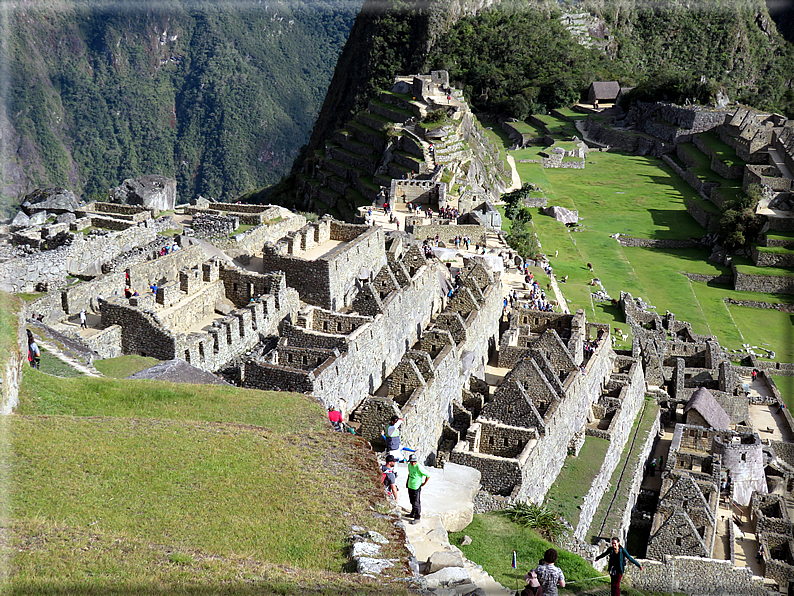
417	478
617	564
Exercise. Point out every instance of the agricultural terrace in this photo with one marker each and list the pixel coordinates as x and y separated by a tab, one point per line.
642	197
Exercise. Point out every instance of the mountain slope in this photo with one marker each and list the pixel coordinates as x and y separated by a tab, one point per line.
219	96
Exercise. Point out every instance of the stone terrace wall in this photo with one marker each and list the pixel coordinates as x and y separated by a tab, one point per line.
695	575
197	307
771	259
138	254
631	396
769	284
545	462
84	295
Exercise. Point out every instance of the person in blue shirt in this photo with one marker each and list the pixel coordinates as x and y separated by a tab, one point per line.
617	564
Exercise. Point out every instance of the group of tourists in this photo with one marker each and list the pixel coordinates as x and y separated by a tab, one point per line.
169	249
448	213
34	353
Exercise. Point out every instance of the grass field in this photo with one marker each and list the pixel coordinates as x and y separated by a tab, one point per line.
642	197
494	538
786	387
124	366
566	495
145	487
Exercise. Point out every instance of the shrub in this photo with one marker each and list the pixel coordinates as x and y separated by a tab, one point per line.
537	517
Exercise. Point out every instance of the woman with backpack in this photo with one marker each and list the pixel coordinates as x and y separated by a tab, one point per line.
533	587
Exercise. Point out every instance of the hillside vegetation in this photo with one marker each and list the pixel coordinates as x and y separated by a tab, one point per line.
218	95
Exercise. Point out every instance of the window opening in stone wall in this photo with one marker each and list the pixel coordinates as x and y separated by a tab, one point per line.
304	359
744	457
289	358
338	326
325	325
402	388
490	441
201	350
234	287
678	540
702	531
187	356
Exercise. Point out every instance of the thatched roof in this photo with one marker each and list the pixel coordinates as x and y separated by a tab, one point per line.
703	402
607	90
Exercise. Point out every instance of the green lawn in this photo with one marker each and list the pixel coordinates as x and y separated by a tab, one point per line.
724	152
642	197
155	488
566	495
53	365
124	366
786	387
494	538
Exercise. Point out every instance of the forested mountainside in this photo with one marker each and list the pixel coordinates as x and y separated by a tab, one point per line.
219	95
516	57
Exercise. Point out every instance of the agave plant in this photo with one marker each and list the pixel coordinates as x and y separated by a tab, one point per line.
537	517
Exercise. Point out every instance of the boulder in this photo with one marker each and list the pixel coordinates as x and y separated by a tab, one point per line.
443	559
152	192
66	218
449	576
562	214
370	566
20	220
54	200
38	218
178	371
365	549
377	537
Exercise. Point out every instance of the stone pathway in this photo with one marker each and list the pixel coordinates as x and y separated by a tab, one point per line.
446	500
516	182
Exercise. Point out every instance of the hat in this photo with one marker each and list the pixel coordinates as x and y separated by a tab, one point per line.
532	579
390	458
413	457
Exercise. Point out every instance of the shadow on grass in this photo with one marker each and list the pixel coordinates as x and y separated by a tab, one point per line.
669	223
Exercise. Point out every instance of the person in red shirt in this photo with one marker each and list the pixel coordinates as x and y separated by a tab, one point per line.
335	416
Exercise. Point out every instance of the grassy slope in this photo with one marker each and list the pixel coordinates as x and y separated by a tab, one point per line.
124	366
494	538
148	488
641	197
566	495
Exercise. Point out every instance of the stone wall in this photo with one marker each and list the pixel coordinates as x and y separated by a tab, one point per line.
105	342
654	243
138	254
165	268
14	363
696	575
544	464
631	397
194	308
371	351
771	259
769	284
425	192
333	280
251	241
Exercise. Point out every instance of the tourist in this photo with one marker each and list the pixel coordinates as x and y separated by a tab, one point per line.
392	436
533	587
417	478
617	564
549	575
83	323
335	416
755	374
34	354
390	475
